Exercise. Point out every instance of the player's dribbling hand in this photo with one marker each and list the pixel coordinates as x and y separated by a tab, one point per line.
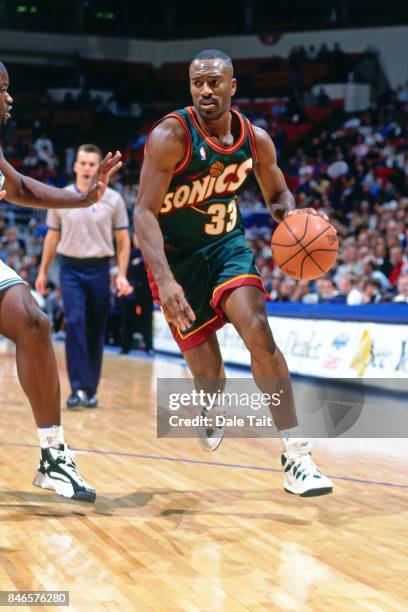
311	211
175	306
109	166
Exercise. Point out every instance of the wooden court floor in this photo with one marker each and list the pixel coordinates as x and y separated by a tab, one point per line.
175	529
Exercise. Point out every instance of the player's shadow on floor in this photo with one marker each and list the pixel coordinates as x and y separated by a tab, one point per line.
177	505
330	510
41	508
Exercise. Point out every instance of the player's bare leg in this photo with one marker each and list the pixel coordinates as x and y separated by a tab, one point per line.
207	368
22	321
245	308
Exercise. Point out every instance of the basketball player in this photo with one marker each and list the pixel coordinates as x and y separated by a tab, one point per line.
191	234
22	321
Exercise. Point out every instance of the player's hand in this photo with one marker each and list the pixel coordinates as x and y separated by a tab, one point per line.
109	166
3	194
123	287
311	211
175	306
41	283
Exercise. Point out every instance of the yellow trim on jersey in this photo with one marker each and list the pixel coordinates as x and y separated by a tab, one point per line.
197	328
230	280
198	210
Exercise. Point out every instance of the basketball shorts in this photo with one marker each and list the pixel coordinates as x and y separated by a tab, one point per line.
9	277
206	275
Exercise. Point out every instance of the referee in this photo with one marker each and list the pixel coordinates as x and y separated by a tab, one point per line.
85	237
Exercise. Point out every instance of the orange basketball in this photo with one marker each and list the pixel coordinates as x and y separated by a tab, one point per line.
305	246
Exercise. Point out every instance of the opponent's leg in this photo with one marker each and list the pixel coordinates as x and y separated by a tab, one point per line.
205	363
245	308
22	321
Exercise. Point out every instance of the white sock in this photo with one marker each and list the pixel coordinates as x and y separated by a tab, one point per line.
295	446
51	436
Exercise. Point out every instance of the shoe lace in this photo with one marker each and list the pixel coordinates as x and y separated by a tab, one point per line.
67	457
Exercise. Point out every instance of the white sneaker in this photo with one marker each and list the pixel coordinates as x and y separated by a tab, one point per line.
211	429
302	477
57	471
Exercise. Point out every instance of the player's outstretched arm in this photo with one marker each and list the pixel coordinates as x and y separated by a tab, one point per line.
26	191
270	178
164	150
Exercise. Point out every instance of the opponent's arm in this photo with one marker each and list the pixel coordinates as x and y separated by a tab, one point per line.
165	149
26	191
271	181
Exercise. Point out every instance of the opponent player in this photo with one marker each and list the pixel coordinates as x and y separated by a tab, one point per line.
22	321
190	231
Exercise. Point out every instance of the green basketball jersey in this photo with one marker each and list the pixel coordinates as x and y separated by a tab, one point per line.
201	204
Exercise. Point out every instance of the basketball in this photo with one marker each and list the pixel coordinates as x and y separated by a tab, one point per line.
305	246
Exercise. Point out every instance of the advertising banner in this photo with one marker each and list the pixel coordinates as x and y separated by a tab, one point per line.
319	348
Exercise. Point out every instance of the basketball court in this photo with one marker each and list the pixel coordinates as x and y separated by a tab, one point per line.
174	528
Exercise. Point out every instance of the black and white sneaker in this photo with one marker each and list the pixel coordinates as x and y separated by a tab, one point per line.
58	472
302	477
211	429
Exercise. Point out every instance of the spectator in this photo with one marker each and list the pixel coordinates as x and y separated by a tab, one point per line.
372	293
137	307
312	53
338	168
402	288
325	293
322	99
397	261
54	308
45	150
349	293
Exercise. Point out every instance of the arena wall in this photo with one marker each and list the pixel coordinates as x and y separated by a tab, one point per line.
391	42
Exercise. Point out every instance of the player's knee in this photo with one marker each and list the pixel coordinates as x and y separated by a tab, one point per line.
36	324
207	371
258	335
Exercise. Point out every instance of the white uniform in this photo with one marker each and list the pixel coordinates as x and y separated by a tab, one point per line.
8	277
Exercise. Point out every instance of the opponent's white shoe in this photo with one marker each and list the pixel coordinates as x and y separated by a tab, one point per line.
57	471
302	477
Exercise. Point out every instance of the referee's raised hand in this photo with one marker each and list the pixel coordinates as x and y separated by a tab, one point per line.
109	166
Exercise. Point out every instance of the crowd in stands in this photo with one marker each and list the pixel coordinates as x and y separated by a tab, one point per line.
356	173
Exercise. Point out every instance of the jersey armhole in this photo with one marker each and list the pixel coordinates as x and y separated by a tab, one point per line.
252	141
189	148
